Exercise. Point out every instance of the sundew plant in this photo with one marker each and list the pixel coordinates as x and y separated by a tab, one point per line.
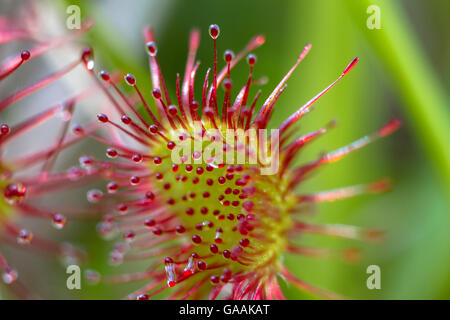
222	162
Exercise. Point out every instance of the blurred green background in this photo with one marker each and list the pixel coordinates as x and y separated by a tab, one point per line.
403	71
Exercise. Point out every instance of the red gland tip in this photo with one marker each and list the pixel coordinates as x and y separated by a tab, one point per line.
196	239
173	110
125	119
390	127
228	56
135	180
227	84
305	51
202	265
156	93
153	129
251	59
171	283
111	153
350	65
102	117
4	129
25	55
260	39
187	273
214	279
86	57
137	158
380	185
130	79
168	260
152	49
86	53
171	146
59	221
180	229
112	187
104	75
78	130
194	105
214	31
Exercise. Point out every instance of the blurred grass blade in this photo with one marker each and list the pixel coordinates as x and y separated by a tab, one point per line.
424	98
